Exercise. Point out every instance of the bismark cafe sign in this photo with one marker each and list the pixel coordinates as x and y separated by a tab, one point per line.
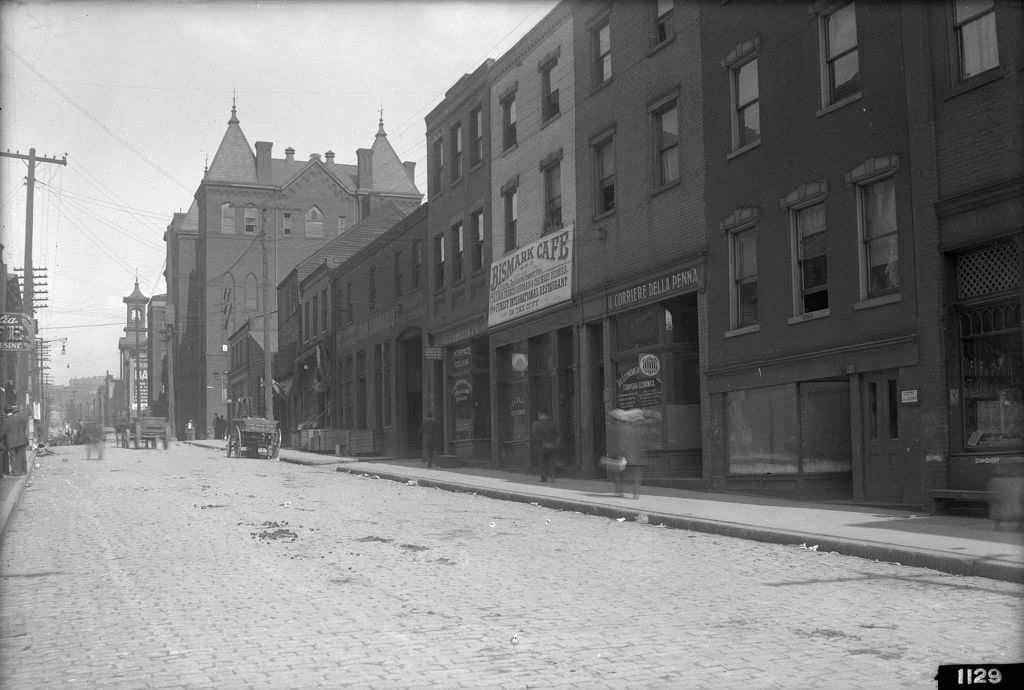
533	277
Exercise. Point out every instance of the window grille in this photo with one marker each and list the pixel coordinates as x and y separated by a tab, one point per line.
988	270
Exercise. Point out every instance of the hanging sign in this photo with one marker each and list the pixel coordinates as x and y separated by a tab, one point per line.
14	332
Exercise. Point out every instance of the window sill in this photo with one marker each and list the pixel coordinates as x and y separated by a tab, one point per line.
743	149
878	301
550	119
665	187
509	150
603	214
838	105
455	183
474	166
809	316
601	86
978	80
658	46
743	331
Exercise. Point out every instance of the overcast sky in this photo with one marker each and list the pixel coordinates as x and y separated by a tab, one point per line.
138	94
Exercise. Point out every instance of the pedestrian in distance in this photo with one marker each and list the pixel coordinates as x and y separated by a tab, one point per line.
429	432
544	440
94	440
14	435
629	433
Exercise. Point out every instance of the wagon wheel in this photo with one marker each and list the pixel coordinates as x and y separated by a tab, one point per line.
235	443
274	451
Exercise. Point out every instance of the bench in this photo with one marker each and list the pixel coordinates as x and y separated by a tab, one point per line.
942	499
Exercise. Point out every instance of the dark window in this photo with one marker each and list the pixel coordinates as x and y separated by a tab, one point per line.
476	135
438	169
456	151
439	260
975	26
666	130
511	215
662	17
549	93
476	233
398	273
811	258
458	251
745	277
372	287
417	263
552	197
747	117
508	119
842	63
602	39
604	175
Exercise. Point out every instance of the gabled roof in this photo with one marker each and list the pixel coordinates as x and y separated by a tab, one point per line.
285	172
389	175
234	160
344	246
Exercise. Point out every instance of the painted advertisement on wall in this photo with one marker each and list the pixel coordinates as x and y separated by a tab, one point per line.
533	277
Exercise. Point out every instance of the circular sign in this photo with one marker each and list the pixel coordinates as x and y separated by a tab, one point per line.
520	362
650	365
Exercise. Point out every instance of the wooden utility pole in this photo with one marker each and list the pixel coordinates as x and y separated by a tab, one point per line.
268	381
26	362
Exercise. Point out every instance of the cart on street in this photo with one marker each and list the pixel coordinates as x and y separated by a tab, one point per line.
253	435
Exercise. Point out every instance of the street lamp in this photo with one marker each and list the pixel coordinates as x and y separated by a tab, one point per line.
137	320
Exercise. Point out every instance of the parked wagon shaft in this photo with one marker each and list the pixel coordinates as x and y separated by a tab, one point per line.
251	435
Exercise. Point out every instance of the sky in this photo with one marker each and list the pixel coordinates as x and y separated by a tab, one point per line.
138	95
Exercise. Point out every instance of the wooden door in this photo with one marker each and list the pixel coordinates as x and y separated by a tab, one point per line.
881	437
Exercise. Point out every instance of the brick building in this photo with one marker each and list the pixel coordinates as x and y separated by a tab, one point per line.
376	343
973	417
531	314
300	204
460	241
640	230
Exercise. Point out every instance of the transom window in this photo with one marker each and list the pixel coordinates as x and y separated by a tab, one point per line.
841	56
975	26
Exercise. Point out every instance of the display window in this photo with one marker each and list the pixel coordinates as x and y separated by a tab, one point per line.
992	369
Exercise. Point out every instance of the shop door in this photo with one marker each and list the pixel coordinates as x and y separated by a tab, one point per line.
881	433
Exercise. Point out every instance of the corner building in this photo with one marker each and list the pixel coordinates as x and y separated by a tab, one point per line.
531	314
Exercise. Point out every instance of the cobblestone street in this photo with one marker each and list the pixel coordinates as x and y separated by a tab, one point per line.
154	569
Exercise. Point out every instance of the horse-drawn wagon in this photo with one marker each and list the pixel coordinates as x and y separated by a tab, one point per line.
253	434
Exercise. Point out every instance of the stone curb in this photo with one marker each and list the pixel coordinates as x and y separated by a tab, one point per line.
947	563
12	499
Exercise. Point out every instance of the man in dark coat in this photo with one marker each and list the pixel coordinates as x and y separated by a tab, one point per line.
14	435
544	438
429	432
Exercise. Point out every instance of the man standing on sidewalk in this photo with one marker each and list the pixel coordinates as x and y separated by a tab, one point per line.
429	432
543	438
14	435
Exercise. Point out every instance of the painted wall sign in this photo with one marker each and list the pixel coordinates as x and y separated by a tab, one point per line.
681	280
533	277
459	334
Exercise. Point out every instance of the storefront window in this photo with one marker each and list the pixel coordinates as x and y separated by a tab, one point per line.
992	367
824	414
460	387
790	429
761	429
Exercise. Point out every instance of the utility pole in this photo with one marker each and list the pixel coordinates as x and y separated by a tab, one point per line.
268	381
170	331
29	285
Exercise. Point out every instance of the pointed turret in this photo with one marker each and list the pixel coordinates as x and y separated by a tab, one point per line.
390	175
234	160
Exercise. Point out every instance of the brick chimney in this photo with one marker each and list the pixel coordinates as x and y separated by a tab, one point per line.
410	169
289	154
365	172
314	156
263	161
330	157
